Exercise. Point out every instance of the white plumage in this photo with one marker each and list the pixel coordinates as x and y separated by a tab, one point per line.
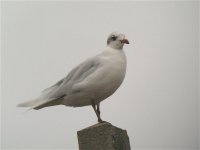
90	82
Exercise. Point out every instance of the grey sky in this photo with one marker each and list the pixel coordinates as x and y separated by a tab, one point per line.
157	103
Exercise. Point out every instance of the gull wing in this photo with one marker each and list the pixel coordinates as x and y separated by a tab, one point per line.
77	74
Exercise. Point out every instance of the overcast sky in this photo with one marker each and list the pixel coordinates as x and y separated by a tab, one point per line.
158	101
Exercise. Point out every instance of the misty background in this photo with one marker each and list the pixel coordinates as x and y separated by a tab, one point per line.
158	101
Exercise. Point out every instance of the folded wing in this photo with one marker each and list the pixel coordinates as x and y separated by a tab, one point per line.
54	94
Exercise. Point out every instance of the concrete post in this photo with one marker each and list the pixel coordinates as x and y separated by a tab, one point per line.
103	136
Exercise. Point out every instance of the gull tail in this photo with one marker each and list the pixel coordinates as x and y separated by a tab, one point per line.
40	103
31	103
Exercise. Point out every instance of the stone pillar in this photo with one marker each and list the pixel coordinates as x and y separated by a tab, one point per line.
103	136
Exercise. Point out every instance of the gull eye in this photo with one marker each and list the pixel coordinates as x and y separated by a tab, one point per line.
113	38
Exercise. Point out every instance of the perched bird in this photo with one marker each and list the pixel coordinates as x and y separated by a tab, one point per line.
90	82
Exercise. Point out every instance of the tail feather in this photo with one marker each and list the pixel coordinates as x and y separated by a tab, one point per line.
28	104
40	103
48	104
34	103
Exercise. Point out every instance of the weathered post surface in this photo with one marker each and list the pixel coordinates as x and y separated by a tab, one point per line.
103	136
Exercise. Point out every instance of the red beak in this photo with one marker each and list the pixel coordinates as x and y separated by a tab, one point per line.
125	41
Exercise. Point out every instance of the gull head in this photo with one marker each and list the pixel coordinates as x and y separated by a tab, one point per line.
116	40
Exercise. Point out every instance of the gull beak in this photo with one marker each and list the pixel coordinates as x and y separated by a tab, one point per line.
124	41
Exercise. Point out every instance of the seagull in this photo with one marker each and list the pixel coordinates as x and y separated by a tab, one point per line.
90	82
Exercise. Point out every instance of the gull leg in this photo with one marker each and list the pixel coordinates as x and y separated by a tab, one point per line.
98	108
97	111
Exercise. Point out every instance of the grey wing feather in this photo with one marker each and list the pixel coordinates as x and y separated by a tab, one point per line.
77	74
47	90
